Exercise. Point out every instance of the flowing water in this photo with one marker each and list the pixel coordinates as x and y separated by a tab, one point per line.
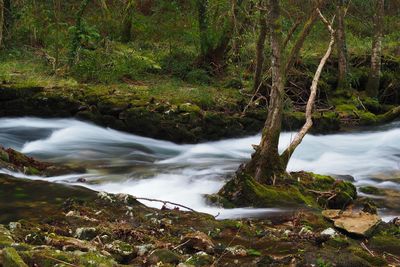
124	163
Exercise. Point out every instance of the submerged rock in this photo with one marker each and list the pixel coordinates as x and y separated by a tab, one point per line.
357	223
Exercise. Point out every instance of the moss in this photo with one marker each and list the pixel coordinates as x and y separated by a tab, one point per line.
371	190
367	118
5	237
187	107
12	259
374	261
200	259
346	193
4	155
386	243
338	242
164	256
245	191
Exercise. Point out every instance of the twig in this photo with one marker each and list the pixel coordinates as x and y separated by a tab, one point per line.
60	261
165	202
180	245
367	249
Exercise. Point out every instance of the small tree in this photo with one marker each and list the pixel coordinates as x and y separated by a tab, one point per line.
266	163
375	70
1	21
341	45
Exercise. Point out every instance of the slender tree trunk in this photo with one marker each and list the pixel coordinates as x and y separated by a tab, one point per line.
1	22
260	50
266	164
76	40
305	31
202	6
341	45
286	155
127	23
375	71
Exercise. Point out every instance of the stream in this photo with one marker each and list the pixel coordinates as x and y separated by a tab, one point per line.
118	162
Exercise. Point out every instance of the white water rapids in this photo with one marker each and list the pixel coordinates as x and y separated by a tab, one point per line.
124	163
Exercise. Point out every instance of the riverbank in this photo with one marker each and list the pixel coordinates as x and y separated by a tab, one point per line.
144	110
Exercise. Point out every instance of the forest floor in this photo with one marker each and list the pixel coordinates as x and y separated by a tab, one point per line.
50	224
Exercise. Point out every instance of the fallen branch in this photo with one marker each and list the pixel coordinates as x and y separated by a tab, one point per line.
165	202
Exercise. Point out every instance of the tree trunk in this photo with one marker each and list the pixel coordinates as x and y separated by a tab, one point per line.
1	22
375	71
341	45
202	6
265	165
127	23
76	40
260	50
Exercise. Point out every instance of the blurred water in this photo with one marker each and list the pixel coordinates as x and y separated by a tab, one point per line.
124	163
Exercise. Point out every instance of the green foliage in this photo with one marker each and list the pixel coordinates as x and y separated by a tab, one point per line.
113	64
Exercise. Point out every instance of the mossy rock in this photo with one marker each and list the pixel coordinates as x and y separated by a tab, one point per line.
386	243
200	259
11	258
4	155
164	256
243	190
5	237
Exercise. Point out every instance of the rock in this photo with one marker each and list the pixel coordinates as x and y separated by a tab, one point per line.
164	256
396	221
200	259
237	251
198	241
5	237
121	251
143	249
14	225
329	232
69	243
12	259
86	233
358	223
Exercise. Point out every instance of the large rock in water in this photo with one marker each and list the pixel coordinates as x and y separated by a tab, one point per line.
357	223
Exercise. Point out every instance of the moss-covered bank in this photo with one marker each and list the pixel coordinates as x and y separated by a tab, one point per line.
133	109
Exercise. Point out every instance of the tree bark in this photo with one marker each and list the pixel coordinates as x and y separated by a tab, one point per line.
76	40
260	50
286	155
341	45
127	23
375	70
1	22
305	31
265	165
202	6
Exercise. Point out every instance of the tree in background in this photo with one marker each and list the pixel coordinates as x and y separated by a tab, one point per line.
260	47
375	70
126	35
214	46
78	30
341	45
1	21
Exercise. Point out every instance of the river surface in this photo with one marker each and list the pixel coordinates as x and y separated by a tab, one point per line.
118	162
